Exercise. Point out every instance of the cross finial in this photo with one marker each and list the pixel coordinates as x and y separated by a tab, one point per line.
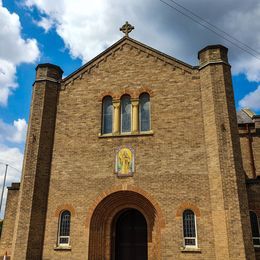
127	28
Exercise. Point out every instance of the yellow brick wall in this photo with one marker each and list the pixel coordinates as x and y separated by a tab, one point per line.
9	220
170	165
192	159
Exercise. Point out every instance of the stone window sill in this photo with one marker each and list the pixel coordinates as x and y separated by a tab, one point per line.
63	248
149	133
190	250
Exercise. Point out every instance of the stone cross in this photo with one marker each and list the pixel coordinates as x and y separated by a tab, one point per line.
127	28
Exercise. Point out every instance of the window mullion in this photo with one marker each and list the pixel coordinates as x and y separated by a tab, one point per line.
116	118
135	115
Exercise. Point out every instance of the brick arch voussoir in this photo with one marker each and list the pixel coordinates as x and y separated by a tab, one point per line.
134	93
126	91
129	188
145	89
64	207
188	205
105	94
256	211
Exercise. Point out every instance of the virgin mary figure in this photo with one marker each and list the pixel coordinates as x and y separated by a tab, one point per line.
125	161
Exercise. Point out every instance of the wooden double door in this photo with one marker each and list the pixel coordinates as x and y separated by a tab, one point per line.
130	242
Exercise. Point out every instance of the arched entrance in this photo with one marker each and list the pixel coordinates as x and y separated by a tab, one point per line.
130	241
107	214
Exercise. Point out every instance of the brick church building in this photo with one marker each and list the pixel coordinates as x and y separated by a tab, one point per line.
134	156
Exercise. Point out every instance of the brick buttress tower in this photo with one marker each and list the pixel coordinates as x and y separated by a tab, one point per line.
32	205
228	194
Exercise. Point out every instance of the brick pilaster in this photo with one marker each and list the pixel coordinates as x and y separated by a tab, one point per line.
226	177
32	205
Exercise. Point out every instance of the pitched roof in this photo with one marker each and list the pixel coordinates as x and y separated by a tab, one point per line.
128	40
245	116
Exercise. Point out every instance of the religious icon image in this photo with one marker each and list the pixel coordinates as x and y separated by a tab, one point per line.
124	161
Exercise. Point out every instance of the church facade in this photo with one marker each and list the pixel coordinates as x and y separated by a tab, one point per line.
137	155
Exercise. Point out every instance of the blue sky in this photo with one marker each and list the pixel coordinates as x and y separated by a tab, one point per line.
69	33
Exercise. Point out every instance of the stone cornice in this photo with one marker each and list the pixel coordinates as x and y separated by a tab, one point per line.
46	79
213	63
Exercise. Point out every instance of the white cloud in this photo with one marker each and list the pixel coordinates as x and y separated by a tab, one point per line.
19	134
14	50
49	6
243	23
14	158
11	134
45	23
249	66
13	47
85	28
14	133
251	100
7	80
88	27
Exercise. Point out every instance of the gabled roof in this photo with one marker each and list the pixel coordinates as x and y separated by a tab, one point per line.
134	43
245	116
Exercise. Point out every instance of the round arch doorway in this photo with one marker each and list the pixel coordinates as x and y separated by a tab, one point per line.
130	236
103	215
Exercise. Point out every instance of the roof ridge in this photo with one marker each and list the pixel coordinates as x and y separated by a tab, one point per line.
249	112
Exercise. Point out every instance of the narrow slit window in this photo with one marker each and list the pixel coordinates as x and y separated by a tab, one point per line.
189	229
64	228
144	112
107	119
126	114
255	229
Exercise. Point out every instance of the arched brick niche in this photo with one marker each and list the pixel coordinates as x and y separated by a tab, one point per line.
102	222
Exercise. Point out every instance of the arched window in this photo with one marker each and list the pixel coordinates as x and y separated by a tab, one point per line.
64	228
107	119
126	114
144	112
255	228
189	228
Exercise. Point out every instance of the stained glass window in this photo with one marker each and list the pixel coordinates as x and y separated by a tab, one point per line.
126	114
189	228
144	112
107	115
64	231
255	229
